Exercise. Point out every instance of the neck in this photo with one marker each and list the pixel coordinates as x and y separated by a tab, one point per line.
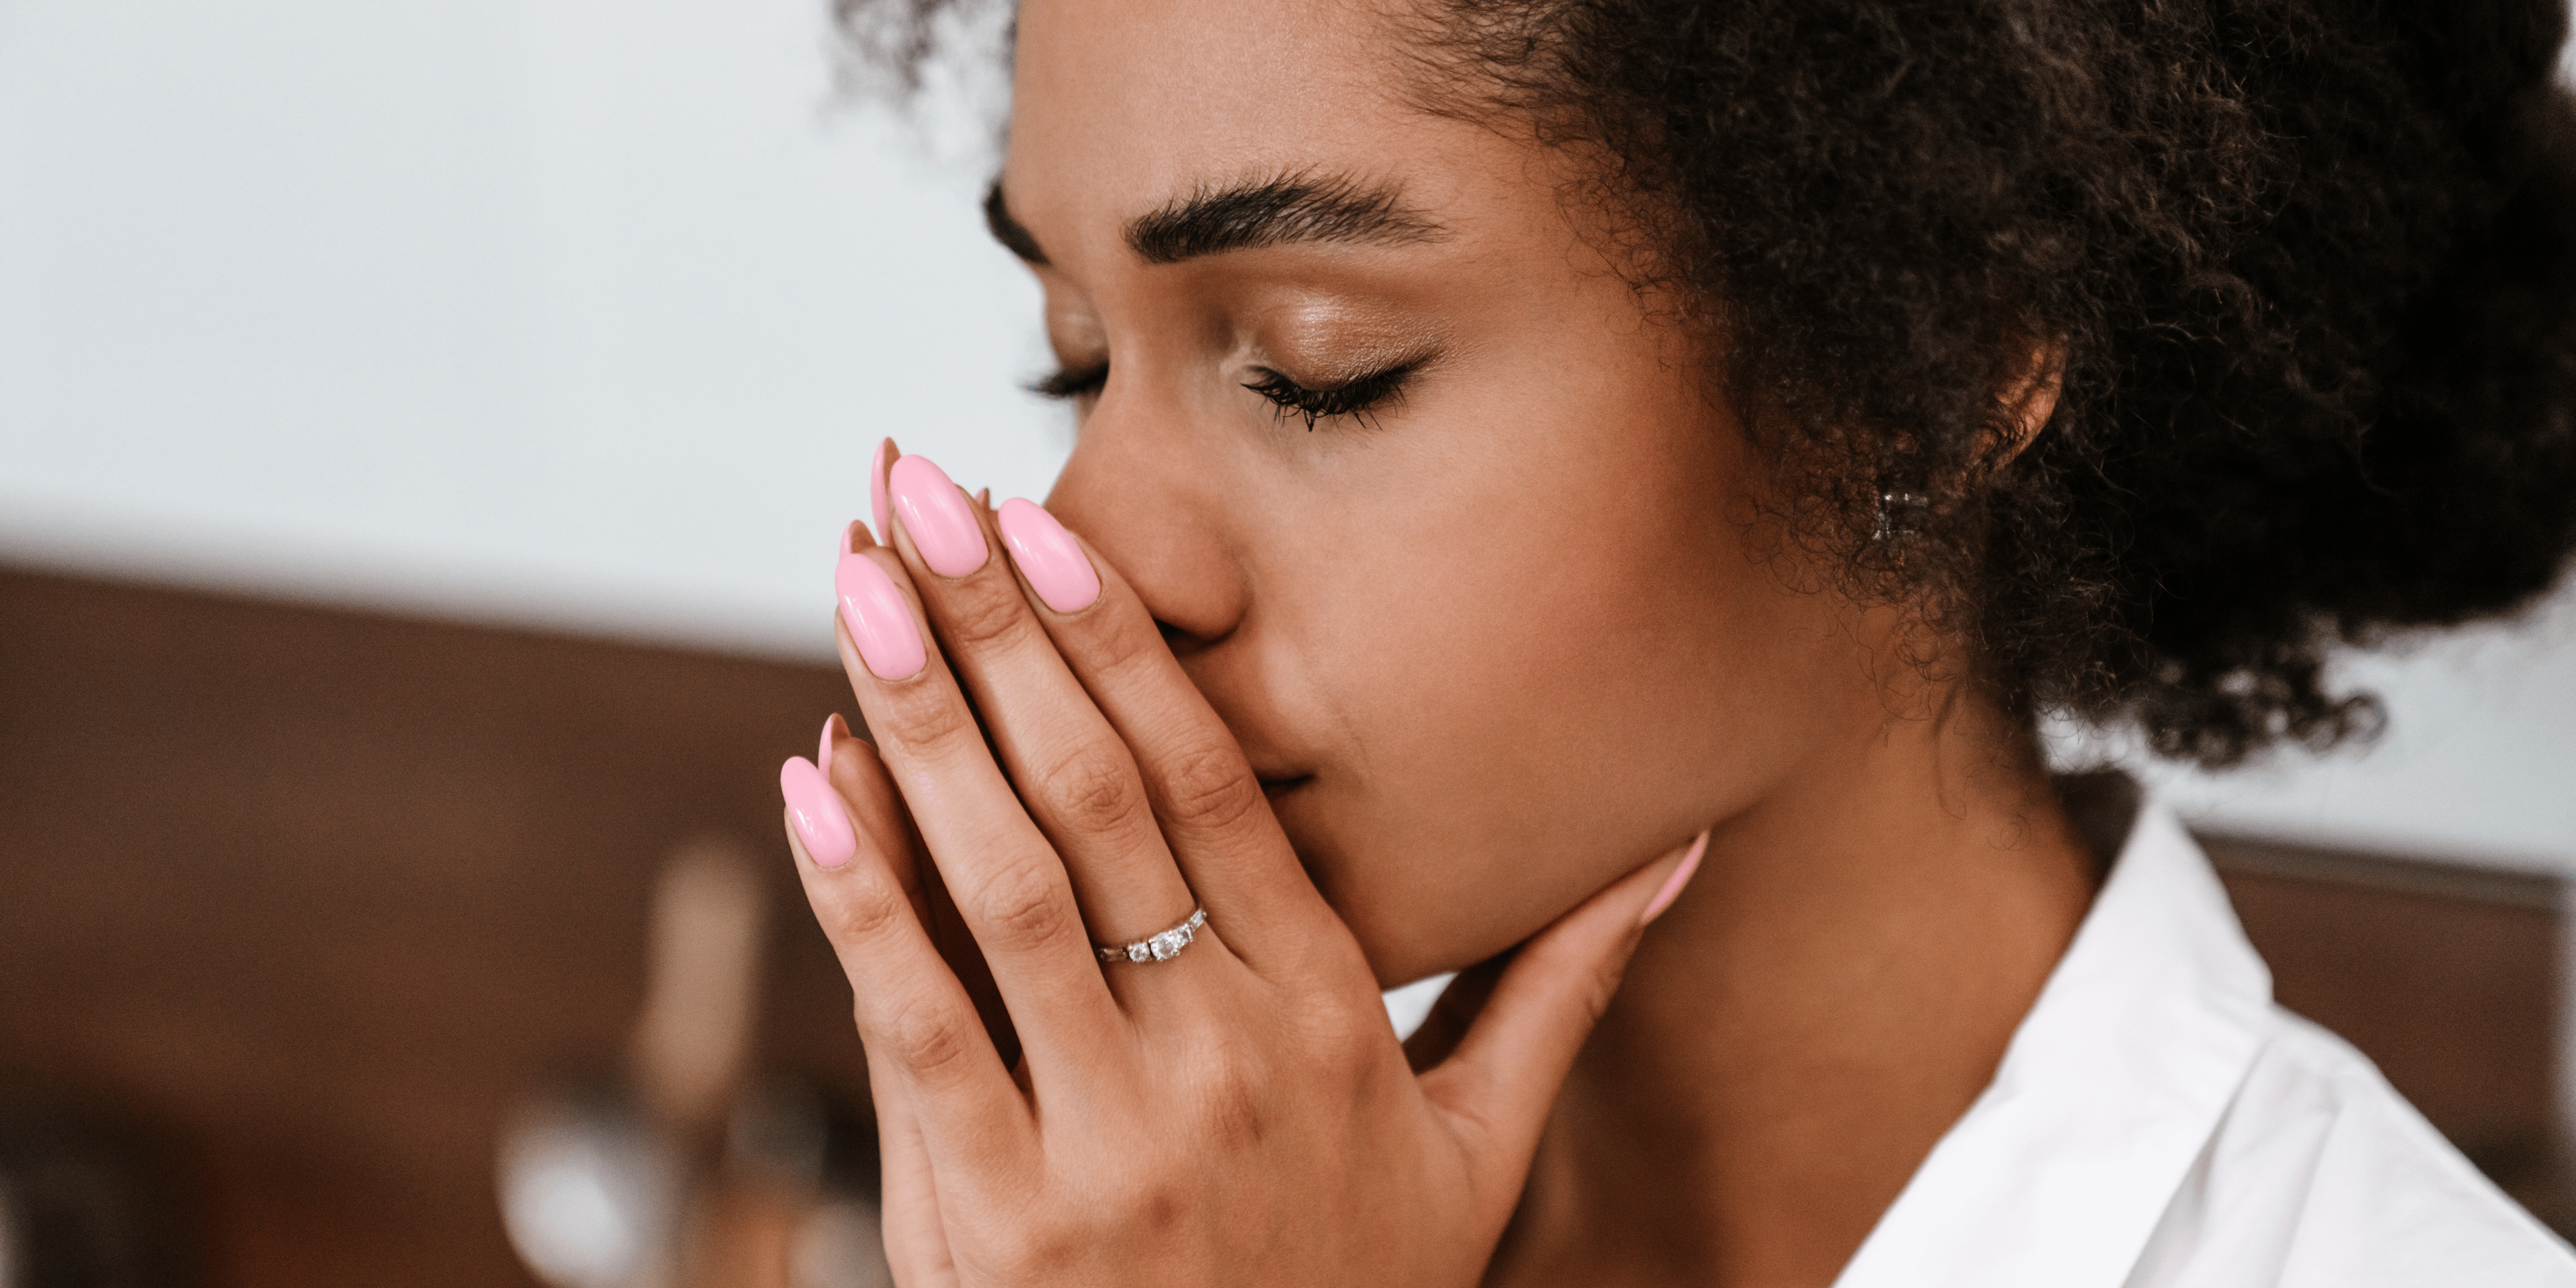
1826	998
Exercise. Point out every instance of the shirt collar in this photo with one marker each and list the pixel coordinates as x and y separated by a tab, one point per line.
2109	1090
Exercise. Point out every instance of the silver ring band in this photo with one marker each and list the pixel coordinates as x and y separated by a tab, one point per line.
1156	948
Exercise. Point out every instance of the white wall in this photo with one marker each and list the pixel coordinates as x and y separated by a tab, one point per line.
585	315
560	311
2479	762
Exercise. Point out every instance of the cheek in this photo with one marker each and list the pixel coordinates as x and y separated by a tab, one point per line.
1545	674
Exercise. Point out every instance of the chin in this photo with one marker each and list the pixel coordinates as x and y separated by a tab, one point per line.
1397	923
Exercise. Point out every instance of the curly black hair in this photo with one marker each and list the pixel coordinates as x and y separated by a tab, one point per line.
2302	271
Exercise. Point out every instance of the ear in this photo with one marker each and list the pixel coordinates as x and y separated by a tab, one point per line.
2028	397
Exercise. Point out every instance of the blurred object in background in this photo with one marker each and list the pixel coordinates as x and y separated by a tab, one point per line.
596	1196
796	1202
592	1190
702	988
321	897
83	1203
841	1246
596	1175
669	1173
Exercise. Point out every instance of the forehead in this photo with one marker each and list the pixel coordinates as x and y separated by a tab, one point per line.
1119	106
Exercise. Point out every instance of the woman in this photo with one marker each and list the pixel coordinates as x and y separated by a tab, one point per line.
1597	494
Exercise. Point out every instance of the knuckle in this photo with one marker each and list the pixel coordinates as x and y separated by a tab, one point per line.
1600	988
1338	1040
1234	1104
1591	983
931	720
1209	788
1091	791
1120	647
1153	1208
1139	1199
923	1038
1019	908
1354	1035
984	615
865	909
1040	1246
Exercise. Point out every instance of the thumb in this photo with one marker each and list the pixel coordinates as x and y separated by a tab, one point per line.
1497	1086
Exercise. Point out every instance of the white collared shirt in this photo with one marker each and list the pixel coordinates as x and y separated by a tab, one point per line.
2158	1122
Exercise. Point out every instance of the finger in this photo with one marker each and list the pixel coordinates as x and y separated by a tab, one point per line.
1499	1084
916	1245
879	462
915	1242
1073	774
1008	884
965	957
1205	797
874	809
1454	1012
911	1011
862	781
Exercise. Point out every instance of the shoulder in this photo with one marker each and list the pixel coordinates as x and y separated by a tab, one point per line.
2321	1174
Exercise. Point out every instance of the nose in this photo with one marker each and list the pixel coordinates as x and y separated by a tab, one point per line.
1157	511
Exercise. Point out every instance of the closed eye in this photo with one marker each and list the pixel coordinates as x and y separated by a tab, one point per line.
1073	382
1356	397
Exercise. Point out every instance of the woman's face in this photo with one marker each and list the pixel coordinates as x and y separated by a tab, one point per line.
1497	636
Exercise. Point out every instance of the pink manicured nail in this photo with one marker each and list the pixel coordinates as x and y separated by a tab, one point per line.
856	537
1673	884
880	622
823	754
821	824
877	467
942	524
1048	556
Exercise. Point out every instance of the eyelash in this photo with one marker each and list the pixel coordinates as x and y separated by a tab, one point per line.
1354	397
1073	382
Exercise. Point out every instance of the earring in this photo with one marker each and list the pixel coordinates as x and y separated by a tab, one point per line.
1886	528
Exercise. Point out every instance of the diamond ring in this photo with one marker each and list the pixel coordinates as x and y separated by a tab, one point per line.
1156	948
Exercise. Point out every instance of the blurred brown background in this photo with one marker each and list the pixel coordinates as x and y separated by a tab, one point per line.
312	898
304	899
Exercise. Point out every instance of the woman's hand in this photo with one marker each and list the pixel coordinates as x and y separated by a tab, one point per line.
1239	1114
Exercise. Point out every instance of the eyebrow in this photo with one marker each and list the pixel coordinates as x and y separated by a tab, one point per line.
1008	231
1291	209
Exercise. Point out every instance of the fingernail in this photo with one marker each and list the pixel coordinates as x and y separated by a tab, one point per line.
823	755
943	528
856	537
1673	884
1048	556
821	824
877	467
880	622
